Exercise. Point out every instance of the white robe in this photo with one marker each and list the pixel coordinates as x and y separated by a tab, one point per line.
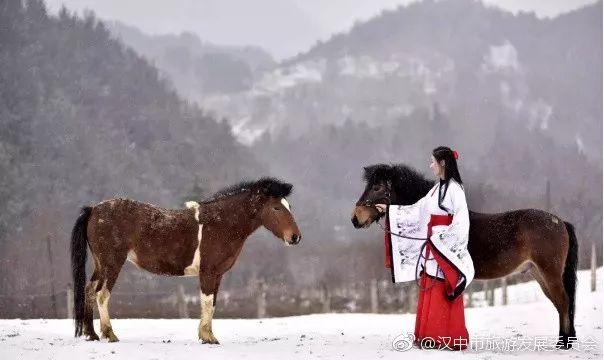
450	240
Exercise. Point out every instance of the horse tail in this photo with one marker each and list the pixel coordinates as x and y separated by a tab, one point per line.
569	276
79	244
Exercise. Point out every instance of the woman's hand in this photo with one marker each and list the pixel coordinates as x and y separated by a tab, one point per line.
381	207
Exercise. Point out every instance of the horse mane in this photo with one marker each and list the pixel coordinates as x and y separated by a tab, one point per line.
268	185
407	183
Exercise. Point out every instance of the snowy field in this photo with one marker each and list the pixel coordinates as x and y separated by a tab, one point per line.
496	332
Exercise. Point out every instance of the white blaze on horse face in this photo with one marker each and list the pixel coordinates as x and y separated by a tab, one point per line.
286	204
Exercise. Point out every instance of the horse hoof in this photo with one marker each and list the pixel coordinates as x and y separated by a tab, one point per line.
564	345
110	336
210	341
92	337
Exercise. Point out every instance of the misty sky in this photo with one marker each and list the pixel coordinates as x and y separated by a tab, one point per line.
282	27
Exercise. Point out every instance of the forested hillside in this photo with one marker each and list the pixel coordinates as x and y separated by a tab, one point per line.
86	116
83	119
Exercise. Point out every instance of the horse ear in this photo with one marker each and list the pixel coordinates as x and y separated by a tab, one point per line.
288	188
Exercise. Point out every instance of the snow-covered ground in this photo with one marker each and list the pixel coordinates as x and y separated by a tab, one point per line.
357	336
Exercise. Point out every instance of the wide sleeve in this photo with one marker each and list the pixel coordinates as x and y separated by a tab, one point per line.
454	236
460	225
410	220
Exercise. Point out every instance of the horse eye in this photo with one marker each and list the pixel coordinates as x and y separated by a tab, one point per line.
276	208
376	187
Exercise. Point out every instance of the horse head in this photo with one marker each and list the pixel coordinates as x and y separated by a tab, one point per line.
378	190
396	184
275	212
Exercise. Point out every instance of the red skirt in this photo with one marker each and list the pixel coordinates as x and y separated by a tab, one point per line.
438	320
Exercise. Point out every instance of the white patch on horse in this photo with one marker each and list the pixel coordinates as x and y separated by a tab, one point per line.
207	313
524	267
207	309
132	257
193	268
555	219
193	205
102	300
286	204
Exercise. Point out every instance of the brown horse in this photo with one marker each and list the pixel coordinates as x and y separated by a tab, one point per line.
204	240
499	244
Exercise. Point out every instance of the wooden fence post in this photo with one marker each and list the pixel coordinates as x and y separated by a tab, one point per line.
261	299
403	297
491	293
469	302
373	288
183	311
412	295
51	275
504	291
593	266
326	299
69	299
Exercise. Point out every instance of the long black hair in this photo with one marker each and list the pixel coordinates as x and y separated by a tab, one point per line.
451	171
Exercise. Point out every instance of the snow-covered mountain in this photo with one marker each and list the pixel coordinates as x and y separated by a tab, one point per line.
475	62
196	68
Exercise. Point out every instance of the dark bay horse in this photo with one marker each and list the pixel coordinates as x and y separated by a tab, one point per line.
204	239
499	244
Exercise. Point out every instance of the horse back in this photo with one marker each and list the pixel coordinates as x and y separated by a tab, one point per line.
159	240
511	223
512	238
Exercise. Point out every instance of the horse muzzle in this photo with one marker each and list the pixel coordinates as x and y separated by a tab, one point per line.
363	216
293	239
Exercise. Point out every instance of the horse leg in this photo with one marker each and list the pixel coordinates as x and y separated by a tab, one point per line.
541	281
91	288
104	293
552	285
208	291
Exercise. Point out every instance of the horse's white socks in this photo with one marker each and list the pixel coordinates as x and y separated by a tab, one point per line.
207	310
102	300
207	313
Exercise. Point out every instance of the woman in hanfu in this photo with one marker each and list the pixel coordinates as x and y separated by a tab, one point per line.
445	265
